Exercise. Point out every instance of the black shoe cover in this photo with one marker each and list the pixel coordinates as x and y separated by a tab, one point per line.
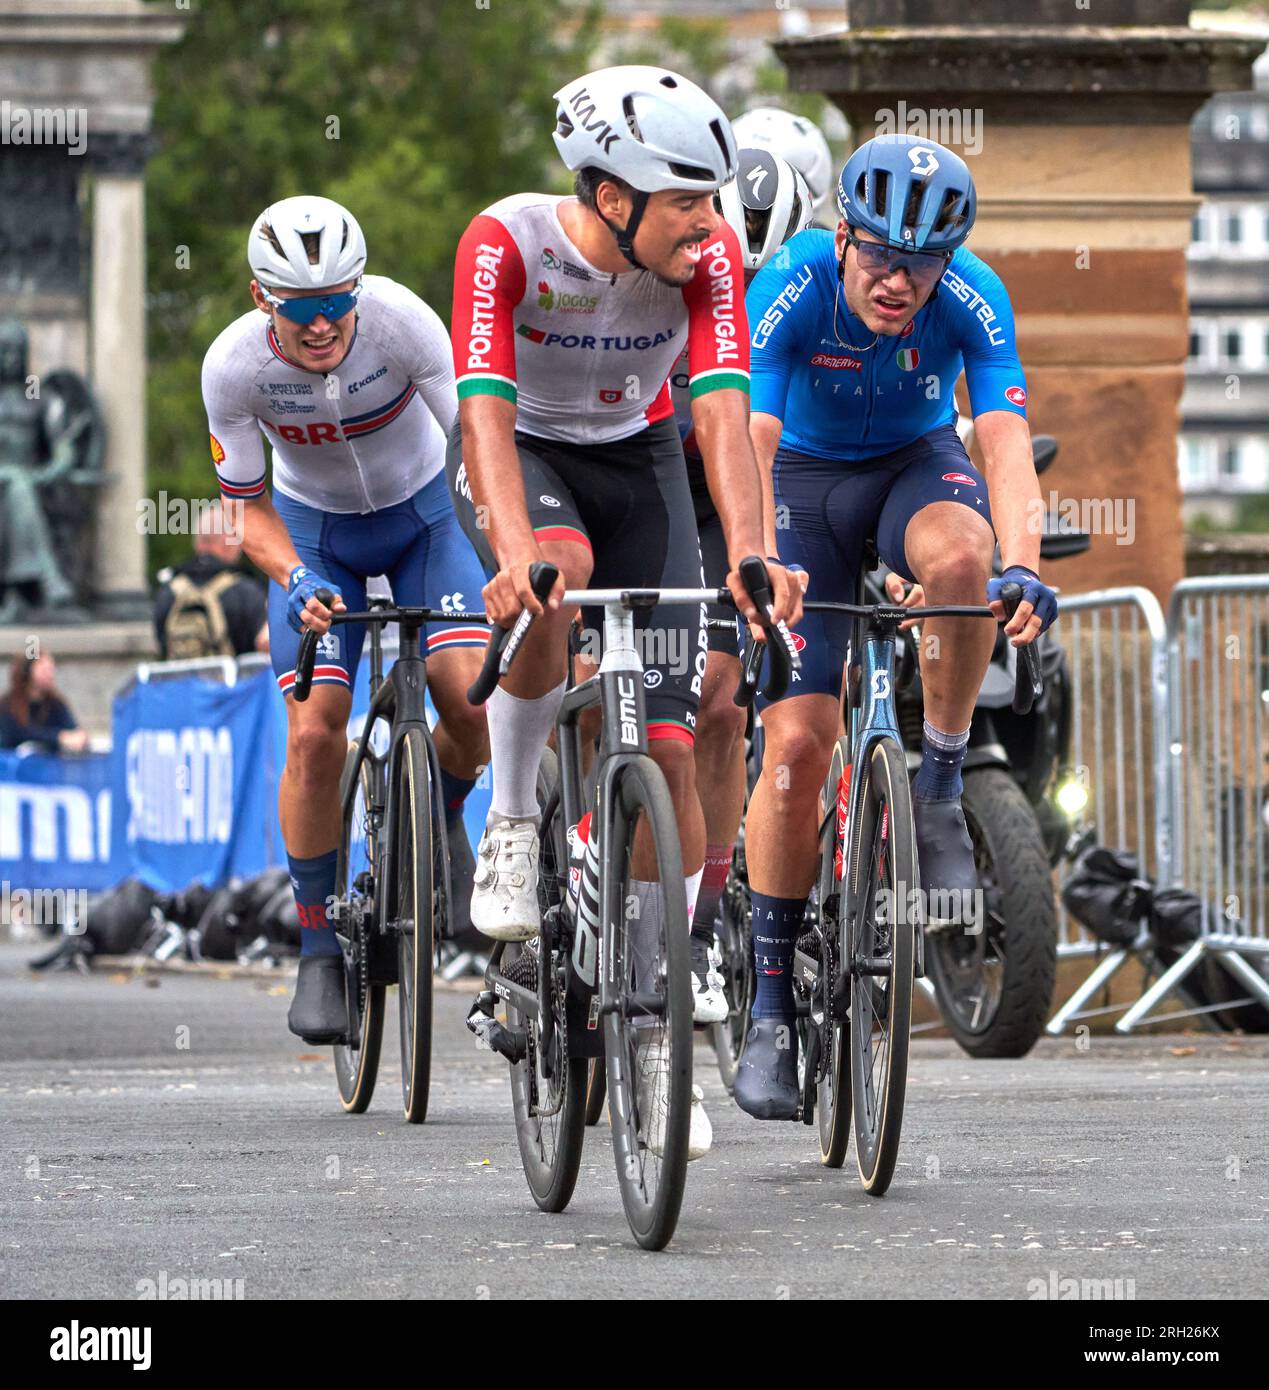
946	855
767	1076
319	1011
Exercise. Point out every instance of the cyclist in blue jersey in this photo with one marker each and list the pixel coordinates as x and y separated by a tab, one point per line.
857	342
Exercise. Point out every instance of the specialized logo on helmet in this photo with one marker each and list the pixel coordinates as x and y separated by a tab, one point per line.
923	162
1017	395
584	109
755	178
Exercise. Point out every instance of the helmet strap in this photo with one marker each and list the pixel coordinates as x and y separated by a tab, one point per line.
624	236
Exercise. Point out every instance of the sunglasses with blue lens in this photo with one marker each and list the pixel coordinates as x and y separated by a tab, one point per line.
879	260
304	309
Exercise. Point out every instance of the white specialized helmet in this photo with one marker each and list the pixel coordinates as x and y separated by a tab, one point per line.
306	243
798	140
765	204
649	127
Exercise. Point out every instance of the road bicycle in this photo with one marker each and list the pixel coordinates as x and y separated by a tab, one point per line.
863	943
392	888
609	975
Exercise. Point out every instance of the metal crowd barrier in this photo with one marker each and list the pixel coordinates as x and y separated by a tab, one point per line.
1170	725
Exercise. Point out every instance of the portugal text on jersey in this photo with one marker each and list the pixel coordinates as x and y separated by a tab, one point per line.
586	355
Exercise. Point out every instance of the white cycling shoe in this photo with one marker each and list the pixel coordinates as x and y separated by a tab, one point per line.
654	1063
709	1001
504	897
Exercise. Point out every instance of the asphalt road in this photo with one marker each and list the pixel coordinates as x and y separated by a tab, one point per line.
169	1127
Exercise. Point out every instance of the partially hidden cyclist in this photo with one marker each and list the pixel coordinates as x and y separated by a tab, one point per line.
797	140
349	378
569	314
765	204
856	348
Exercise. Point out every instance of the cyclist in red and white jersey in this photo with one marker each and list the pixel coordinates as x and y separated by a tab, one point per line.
349	378
569	314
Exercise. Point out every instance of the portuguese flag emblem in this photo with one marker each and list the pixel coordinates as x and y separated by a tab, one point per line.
907	358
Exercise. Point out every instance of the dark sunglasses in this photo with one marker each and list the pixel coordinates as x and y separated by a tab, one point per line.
879	260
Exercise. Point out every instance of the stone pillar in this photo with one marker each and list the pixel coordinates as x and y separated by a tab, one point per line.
1078	136
88	63
118	368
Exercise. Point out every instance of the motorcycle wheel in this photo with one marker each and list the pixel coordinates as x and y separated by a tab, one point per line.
995	988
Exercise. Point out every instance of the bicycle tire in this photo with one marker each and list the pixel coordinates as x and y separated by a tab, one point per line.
551	1153
883	849
357	1068
596	1090
833	1103
652	1209
413	906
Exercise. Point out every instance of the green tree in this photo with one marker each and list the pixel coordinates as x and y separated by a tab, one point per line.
416	115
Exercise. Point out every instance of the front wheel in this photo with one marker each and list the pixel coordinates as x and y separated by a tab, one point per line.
994	985
885	900
416	947
828	1031
648	1033
735	939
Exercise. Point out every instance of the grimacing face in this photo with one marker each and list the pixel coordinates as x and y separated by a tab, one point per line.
886	304
319	346
675	224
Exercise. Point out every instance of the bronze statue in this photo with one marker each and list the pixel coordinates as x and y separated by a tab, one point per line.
51	448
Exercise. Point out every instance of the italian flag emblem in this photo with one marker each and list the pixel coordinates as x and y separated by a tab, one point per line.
907	358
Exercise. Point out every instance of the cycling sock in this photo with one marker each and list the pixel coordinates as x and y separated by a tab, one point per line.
518	731
942	754
454	792
692	883
713	881
313	881
776	924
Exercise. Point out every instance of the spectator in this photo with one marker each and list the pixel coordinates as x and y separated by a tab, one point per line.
210	607
34	711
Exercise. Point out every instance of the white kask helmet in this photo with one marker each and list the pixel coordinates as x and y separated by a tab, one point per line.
765	204
794	138
306	243
649	127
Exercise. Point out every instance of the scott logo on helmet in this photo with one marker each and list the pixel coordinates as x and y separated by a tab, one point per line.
923	162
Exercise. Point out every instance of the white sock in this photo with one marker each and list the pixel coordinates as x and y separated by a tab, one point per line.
518	731
693	883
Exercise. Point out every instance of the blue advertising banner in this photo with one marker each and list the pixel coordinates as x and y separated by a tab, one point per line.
194	777
55	822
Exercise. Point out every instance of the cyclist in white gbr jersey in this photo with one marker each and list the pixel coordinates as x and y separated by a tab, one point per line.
349	378
569	314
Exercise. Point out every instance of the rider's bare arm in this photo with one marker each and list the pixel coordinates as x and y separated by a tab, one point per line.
265	540
720	420
764	431
1012	486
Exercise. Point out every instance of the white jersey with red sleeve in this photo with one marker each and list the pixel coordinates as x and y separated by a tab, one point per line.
364	436
584	354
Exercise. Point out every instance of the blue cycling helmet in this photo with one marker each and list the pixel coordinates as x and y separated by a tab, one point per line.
913	194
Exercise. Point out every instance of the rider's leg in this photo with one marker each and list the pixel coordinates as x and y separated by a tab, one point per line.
461	735
720	778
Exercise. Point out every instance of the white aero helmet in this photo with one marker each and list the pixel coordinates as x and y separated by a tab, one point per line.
649	127
765	204
795	138
306	243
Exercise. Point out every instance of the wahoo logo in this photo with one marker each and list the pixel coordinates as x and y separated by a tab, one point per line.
585	110
628	711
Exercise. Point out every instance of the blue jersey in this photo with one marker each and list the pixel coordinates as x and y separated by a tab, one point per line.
840	399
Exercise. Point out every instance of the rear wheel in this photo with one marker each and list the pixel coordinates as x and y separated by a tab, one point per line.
885	892
648	1036
995	986
416	946
735	942
356	1068
548	1087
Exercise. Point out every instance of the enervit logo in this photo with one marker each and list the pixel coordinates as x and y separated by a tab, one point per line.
1017	395
837	364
